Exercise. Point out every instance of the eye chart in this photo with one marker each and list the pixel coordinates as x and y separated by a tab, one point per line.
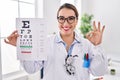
31	43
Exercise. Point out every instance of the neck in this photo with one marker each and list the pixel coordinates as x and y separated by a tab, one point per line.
68	39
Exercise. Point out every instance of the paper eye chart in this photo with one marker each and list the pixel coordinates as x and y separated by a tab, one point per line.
31	43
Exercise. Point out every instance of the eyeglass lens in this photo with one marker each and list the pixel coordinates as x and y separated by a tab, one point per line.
70	19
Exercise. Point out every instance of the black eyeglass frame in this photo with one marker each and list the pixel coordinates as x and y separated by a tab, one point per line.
67	19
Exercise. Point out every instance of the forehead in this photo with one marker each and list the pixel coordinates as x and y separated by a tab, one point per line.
66	12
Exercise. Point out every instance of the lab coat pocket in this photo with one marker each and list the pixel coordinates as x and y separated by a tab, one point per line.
81	72
85	69
86	63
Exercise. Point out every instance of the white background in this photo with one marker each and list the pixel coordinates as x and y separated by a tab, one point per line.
108	13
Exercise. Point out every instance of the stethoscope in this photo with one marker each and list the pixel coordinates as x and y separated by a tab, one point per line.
69	60
70	68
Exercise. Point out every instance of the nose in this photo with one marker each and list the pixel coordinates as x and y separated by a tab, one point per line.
66	21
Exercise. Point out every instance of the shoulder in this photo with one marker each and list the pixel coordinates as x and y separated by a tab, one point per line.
81	39
51	39
85	42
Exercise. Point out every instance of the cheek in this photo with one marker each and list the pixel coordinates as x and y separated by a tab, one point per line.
73	26
60	26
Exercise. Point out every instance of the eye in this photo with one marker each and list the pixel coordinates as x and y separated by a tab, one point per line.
71	18
61	18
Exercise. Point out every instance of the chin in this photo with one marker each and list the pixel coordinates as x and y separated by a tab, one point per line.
67	33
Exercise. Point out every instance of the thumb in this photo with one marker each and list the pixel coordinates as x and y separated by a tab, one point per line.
89	35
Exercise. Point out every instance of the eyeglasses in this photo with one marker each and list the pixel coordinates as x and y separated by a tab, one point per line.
70	19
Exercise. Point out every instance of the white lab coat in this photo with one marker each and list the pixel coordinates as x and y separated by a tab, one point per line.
54	68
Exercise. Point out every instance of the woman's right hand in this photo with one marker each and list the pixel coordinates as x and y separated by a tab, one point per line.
12	39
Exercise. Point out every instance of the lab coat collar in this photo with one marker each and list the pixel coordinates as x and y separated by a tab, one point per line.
58	38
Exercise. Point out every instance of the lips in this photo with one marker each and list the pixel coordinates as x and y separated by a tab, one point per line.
66	28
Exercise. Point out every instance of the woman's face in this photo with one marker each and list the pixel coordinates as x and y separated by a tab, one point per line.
67	21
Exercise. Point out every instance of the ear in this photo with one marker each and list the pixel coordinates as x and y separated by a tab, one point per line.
76	21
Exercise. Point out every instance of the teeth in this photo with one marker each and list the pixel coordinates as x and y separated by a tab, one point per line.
66	28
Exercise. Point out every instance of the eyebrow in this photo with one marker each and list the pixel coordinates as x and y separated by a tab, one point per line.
66	17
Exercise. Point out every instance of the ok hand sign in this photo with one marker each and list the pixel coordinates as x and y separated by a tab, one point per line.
95	36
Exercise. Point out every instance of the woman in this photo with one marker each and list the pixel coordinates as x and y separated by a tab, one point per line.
69	56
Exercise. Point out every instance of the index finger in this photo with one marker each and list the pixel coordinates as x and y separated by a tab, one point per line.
94	26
